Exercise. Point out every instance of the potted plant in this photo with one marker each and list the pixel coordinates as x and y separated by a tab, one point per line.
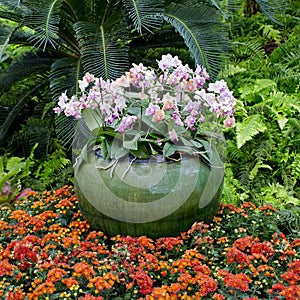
148	152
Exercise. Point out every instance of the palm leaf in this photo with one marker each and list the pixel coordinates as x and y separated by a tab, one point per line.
64	76
272	8
18	108
202	33
7	40
44	19
102	54
143	13
31	64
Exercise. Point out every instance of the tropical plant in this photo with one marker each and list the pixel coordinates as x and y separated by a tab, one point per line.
12	171
262	156
147	112
69	38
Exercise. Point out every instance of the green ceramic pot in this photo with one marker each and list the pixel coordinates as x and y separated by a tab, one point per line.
156	198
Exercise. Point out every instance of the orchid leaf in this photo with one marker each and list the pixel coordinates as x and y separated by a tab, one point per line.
186	142
185	149
169	149
105	149
116	149
132	144
142	152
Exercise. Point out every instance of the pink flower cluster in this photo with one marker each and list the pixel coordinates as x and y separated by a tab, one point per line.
175	94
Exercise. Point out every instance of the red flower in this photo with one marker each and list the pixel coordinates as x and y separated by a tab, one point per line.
144	281
90	297
234	254
238	281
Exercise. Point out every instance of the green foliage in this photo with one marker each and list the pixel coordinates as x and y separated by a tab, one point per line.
263	149
13	170
17	173
290	219
250	126
69	38
53	172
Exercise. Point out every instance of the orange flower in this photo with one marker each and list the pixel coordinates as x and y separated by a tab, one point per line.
20	215
16	294
234	254
46	288
90	297
6	268
55	274
218	297
83	268
70	281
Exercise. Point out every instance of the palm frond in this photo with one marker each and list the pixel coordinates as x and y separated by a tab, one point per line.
64	76
7	40
65	129
143	13
102	54
44	19
31	64
272	8
228	7
203	34
18	108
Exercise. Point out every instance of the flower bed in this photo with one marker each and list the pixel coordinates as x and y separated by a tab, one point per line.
48	251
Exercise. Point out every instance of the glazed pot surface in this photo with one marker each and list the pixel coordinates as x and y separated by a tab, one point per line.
153	198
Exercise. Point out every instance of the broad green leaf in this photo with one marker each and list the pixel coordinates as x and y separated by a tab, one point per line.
185	149
157	127
116	150
105	149
141	152
187	142
132	144
92	119
169	149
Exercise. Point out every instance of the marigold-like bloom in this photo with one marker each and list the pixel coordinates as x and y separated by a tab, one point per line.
268	207
233	254
70	281
90	297
6	268
291	292
83	268
218	297
46	288
239	281
55	274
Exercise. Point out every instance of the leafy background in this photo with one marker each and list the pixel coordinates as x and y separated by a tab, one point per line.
255	45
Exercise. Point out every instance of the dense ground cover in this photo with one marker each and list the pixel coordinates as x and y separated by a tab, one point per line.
48	251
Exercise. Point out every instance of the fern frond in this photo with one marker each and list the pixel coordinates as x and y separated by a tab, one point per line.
290	219
258	165
250	127
295	166
250	49
231	70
